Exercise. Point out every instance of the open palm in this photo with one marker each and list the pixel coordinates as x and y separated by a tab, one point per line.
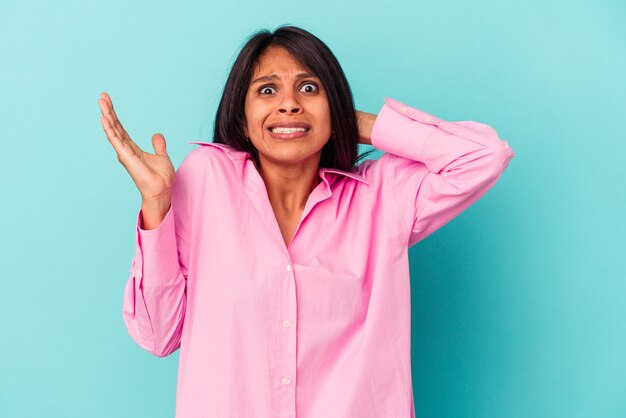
153	174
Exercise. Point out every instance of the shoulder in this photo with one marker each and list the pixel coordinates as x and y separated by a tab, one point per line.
214	149
210	153
216	164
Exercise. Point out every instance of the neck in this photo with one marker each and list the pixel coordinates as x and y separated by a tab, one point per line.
289	187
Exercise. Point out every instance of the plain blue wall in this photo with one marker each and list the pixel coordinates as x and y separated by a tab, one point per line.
518	304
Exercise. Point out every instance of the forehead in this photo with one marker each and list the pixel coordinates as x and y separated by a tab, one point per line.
277	60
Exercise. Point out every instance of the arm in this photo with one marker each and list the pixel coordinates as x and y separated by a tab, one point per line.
154	297
155	293
153	212
434	168
366	124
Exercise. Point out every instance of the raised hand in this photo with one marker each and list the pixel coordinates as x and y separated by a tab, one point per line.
153	174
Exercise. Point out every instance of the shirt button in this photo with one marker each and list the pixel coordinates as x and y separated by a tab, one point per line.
286	380
288	267
286	323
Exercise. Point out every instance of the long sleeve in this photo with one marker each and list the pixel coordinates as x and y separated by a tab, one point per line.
155	293
438	168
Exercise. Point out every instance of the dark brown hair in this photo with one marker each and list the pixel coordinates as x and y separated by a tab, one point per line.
341	150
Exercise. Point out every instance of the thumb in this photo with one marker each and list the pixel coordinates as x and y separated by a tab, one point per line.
158	143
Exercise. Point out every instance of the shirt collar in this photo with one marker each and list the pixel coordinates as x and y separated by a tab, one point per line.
239	157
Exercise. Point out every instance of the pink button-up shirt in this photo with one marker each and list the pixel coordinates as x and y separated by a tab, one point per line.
321	328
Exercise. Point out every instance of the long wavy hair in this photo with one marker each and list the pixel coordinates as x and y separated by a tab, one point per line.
341	150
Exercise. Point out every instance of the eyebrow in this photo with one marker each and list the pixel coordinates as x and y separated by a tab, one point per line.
275	77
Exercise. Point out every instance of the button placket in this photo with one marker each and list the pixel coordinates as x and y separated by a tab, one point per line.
286	380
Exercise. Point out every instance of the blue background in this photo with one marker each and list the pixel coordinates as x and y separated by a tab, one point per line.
518	304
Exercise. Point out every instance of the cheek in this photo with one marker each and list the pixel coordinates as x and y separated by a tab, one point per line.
325	113
255	117
325	117
252	123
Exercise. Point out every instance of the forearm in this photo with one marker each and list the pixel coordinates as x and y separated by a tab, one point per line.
153	212
366	123
154	297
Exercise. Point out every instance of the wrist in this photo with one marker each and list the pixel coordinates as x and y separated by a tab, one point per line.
164	199
153	212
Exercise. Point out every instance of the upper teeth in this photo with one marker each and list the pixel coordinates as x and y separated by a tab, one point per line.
282	130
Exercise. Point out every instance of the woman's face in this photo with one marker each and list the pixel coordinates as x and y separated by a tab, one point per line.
284	94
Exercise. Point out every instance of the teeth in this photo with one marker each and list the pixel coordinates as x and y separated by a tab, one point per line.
280	130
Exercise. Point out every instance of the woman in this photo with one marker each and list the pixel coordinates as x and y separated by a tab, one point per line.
276	264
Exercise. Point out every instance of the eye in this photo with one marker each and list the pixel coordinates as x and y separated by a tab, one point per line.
309	89
264	89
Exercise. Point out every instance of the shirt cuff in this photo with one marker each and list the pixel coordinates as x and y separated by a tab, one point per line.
397	132
157	254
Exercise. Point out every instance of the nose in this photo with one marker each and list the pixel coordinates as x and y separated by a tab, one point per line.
289	103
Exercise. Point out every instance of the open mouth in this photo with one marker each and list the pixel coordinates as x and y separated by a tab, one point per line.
288	133
280	130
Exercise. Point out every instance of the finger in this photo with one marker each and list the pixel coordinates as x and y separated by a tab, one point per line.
124	149
111	135
106	111
120	134
107	99
116	120
158	143
117	125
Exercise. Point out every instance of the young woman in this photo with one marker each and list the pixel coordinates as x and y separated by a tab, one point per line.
275	263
